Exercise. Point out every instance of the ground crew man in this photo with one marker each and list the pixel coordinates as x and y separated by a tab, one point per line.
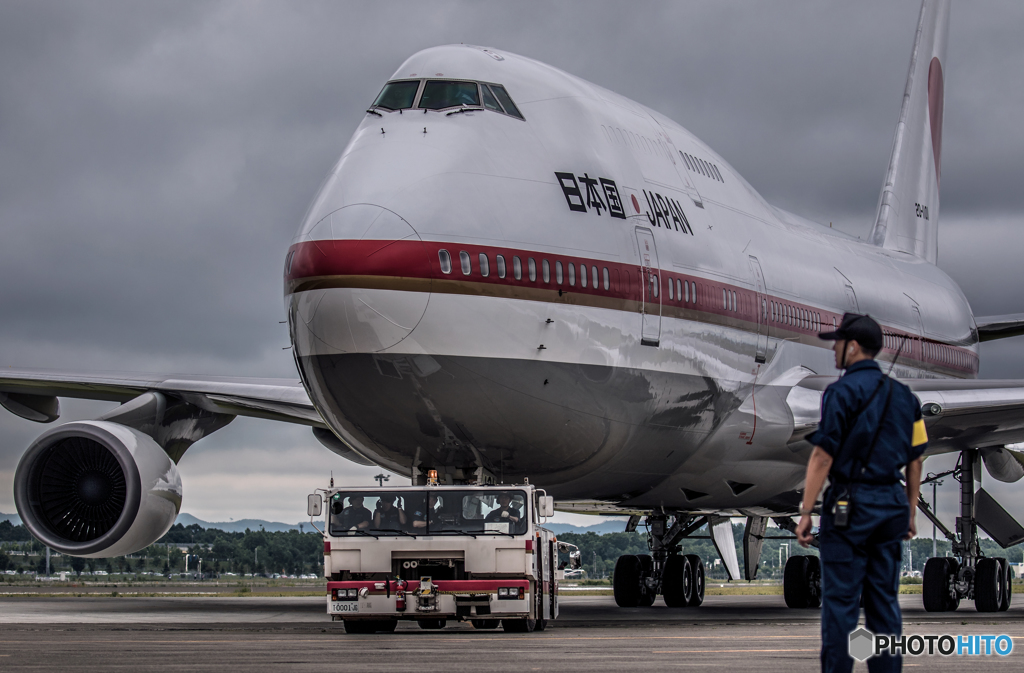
870	429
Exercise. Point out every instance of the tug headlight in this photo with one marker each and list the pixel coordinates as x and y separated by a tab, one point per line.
503	591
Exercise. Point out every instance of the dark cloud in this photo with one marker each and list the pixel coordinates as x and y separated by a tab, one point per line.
157	157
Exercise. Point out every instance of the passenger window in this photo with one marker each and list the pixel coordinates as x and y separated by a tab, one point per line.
440	94
490	102
686	290
593	276
446	261
606	277
572	274
671	291
583	275
558	272
467	268
397	95
517	267
733	301
654	284
546	270
485	266
679	290
725	299
501	266
532	268
505	100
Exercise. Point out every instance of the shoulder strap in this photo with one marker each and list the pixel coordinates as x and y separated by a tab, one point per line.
842	445
878	429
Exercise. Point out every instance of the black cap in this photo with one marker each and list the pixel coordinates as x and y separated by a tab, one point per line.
860	328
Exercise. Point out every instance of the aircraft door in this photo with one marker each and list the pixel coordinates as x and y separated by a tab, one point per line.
761	352
650	288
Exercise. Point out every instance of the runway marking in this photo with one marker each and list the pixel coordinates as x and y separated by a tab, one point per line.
446	640
706	651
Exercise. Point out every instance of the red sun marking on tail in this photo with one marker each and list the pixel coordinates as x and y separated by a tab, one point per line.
935	98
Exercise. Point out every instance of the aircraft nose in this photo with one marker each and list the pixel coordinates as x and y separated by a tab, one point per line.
359	281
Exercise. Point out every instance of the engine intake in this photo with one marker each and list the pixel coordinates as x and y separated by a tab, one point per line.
97	489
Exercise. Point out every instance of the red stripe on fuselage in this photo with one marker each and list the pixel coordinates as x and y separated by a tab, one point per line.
311	264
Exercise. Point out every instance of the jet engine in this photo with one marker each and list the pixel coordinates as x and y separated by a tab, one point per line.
97	489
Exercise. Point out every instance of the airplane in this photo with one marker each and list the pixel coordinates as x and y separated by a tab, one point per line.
512	273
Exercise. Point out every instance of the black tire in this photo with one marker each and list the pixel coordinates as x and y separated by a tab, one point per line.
794	582
698	583
485	623
626	581
1006	575
432	624
387	625
677	582
935	585
1006	586
813	579
519	625
987	585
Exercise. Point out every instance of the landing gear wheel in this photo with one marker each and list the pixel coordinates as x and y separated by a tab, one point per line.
1007	585
937	585
519	625
677	582
813	582
647	595
801	582
432	624
626	581
697	581
485	623
988	585
954	571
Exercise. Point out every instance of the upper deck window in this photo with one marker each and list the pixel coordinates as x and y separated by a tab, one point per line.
440	94
397	95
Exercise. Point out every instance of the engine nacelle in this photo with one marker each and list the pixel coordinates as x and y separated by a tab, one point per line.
97	489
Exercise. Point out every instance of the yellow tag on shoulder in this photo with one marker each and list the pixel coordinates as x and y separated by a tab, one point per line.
920	434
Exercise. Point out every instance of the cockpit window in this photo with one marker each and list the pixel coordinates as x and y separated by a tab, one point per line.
490	102
505	100
440	94
397	95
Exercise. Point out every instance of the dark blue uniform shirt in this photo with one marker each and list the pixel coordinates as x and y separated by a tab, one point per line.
851	409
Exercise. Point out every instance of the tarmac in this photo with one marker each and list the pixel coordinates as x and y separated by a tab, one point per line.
198	633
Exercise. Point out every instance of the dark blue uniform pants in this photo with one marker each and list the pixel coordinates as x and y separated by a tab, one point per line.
863	560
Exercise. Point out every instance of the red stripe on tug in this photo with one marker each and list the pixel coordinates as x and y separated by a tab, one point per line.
443	586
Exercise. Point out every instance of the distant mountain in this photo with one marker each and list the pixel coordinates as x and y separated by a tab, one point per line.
13	518
240	525
613	526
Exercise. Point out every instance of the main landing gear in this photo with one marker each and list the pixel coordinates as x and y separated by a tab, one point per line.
969	575
677	577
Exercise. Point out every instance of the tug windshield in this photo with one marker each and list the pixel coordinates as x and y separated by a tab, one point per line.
428	512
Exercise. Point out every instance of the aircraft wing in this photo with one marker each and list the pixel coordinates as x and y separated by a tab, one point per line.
32	394
959	414
1000	326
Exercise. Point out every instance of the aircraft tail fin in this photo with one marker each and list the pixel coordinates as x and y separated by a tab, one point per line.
908	207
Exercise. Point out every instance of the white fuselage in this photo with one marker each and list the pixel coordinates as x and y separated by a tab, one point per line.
609	393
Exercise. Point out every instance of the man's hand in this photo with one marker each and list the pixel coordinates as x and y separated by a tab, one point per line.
912	528
803	531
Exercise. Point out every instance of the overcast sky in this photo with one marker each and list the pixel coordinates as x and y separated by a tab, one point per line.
155	160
